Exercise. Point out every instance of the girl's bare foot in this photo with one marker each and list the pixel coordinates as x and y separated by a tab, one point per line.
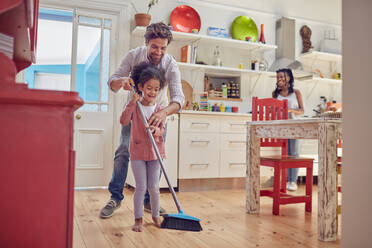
157	221
137	227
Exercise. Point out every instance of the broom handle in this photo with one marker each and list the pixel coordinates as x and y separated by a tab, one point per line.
159	157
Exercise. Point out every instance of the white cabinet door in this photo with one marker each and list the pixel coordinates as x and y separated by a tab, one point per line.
233	164
199	123
234	124
233	142
171	151
199	164
199	155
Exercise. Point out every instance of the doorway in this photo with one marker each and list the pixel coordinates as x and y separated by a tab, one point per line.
75	53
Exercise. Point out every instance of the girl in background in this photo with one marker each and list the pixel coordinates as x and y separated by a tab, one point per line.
148	82
284	90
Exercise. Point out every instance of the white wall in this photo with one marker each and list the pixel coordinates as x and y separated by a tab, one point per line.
357	125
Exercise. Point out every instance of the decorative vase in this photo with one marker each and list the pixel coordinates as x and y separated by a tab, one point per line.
142	19
262	37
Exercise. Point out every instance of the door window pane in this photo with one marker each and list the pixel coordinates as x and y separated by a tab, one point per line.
54	44
90	20
88	63
52	81
88	107
107	23
104	108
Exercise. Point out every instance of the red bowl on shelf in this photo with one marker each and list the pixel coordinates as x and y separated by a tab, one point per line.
184	18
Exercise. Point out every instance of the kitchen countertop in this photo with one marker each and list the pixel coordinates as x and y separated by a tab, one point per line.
214	113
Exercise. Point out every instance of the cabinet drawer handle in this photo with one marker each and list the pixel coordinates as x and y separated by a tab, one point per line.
237	124
196	164
200	141
237	142
200	123
232	164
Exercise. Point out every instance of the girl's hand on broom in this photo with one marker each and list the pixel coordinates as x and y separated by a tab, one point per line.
135	97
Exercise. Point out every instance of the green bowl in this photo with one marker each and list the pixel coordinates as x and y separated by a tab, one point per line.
242	27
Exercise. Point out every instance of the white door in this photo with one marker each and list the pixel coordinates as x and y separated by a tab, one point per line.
93	35
73	54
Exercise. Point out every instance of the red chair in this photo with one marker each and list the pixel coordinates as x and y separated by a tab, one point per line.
272	109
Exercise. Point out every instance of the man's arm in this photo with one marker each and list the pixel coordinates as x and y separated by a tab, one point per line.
120	77
176	95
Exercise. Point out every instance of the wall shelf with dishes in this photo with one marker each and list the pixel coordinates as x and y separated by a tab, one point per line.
224	99
221	70
314	58
315	55
205	39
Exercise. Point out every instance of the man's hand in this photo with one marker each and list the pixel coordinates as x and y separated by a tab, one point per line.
158	119
124	82
152	129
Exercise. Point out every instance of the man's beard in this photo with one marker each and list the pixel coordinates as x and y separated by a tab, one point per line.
152	60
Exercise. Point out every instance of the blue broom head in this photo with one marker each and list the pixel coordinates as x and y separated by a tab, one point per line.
183	216
181	221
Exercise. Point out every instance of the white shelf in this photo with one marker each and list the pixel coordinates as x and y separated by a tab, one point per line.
324	80
331	57
205	39
222	71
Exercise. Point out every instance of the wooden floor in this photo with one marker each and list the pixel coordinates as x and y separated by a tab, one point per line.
223	218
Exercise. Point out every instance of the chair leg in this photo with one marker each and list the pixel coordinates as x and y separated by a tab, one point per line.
309	188
284	180
276	190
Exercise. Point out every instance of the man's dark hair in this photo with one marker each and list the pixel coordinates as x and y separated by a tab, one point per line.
158	30
144	71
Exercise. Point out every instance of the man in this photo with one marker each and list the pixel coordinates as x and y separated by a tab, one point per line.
157	37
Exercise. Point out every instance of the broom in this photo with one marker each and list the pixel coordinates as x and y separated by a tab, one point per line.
178	221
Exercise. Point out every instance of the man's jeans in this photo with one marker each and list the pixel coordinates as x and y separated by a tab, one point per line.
119	175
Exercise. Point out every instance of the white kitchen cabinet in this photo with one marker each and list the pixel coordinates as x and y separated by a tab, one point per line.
171	151
209	124
309	149
212	145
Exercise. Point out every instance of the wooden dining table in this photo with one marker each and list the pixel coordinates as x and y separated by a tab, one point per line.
327	132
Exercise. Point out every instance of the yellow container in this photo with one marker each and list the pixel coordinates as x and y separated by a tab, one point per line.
222	108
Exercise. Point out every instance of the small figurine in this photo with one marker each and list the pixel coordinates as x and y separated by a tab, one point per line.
305	33
195	106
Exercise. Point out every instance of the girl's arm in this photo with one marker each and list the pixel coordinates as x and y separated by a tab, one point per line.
127	114
300	110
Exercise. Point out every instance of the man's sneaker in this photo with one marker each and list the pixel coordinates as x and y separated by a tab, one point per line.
291	186
147	208
109	209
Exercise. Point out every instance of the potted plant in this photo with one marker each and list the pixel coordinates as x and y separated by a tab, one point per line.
143	19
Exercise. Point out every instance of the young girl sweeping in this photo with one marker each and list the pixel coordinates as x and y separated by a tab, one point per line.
148	82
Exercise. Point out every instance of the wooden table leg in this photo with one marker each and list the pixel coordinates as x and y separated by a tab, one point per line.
327	182
253	172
